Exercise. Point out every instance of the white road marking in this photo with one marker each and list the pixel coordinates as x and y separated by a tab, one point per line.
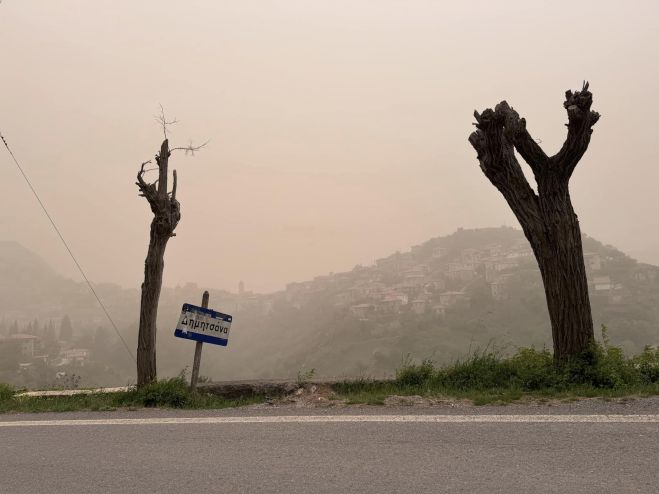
314	419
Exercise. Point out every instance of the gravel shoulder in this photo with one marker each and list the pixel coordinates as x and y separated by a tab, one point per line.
408	405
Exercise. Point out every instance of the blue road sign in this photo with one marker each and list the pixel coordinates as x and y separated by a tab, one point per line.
206	325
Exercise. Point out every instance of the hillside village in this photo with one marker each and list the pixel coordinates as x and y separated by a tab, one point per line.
438	275
440	299
441	296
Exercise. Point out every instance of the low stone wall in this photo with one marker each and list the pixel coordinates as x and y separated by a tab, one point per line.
243	389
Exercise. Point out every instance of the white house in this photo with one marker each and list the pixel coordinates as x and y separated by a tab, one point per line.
602	283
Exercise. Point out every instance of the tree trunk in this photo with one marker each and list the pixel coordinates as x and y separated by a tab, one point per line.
547	218
561	262
166	215
146	345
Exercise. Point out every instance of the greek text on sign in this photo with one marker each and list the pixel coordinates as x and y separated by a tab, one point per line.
206	325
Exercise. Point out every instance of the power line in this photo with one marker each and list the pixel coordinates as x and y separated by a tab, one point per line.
59	234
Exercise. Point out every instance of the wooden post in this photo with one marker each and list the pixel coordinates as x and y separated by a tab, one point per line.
197	351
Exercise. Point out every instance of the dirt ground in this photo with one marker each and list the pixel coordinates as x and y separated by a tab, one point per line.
320	396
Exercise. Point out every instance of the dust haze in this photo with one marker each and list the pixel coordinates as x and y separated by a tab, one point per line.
338	136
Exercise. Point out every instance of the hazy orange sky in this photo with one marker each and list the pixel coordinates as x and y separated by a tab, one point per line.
338	129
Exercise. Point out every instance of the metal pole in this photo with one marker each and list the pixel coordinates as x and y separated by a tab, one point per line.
197	351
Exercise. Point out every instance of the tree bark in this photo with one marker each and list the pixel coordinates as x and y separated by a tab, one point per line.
561	262
166	215
146	346
547	218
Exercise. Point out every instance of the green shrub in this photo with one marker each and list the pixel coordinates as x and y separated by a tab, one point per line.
602	366
647	365
6	392
409	374
533	369
166	393
480	371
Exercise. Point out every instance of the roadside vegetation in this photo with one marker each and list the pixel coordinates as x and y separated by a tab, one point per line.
168	393
487	377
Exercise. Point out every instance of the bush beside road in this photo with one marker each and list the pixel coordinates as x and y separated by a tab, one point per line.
483	378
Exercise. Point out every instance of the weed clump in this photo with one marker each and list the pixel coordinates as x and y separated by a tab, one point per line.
171	393
488	376
647	365
303	377
533	369
6	392
409	374
602	366
480	371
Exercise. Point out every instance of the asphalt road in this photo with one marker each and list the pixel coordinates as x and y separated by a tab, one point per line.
369	450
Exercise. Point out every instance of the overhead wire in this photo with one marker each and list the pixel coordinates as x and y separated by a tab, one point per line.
66	246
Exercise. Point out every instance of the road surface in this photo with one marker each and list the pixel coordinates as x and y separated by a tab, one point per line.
355	450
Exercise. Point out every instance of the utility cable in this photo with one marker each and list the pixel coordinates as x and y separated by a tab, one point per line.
68	249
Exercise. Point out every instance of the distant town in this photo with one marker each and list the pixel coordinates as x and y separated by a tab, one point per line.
444	276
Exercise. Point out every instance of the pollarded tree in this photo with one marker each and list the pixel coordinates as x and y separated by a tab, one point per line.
547	217
166	215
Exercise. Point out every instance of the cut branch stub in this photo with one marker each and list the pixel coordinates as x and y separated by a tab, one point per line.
163	160
580	127
516	132
581	119
165	207
497	160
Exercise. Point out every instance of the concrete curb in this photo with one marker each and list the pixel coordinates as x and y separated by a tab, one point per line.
226	389
73	392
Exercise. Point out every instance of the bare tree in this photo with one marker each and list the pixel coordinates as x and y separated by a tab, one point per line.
547	217
166	215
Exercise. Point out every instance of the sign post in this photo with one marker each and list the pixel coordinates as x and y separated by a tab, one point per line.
202	325
197	350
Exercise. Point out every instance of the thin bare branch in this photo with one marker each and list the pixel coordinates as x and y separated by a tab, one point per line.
190	148
164	123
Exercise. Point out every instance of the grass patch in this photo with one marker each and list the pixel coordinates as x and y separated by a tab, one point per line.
484	378
168	393
6	392
488	378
